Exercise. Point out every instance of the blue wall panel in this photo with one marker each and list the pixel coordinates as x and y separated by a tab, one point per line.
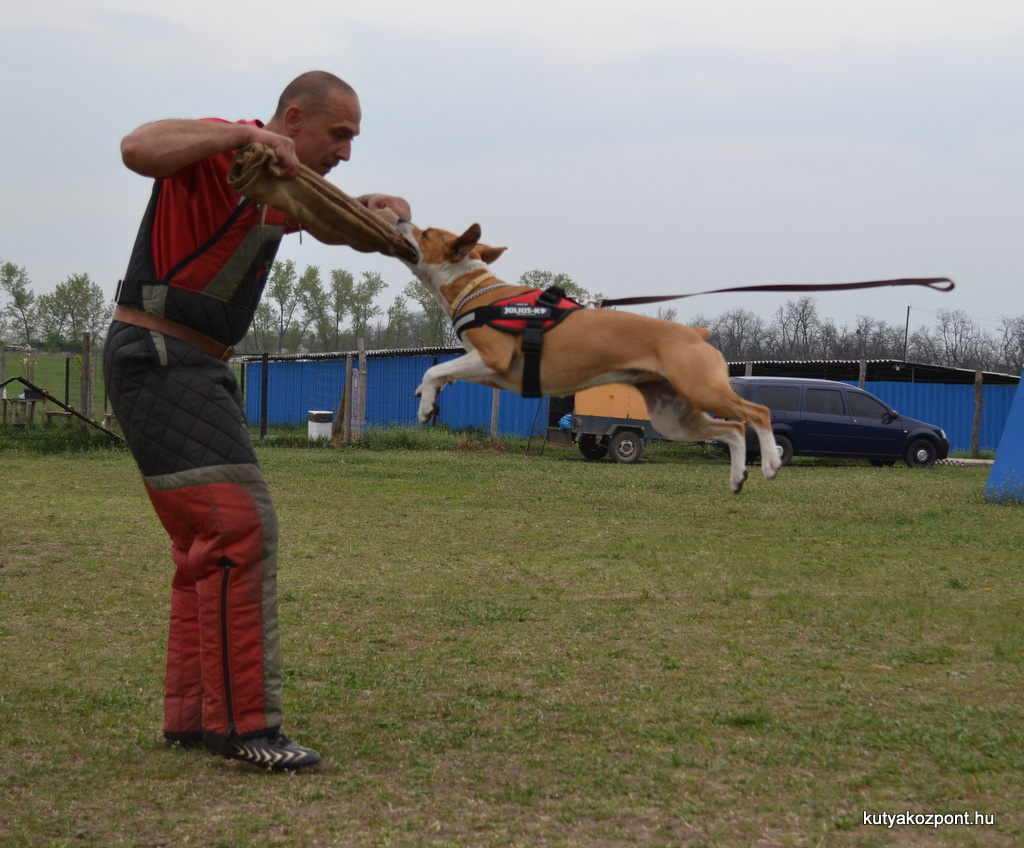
295	388
951	407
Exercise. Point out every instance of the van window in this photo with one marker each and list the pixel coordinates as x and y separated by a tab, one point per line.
865	406
825	401
781	398
742	389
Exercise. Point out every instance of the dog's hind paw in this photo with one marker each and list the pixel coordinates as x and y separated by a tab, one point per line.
737	485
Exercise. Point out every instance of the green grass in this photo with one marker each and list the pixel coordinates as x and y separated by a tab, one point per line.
491	650
58	373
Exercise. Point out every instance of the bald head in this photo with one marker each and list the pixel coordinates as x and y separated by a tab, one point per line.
321	115
312	92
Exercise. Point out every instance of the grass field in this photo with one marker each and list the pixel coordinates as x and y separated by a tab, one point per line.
498	650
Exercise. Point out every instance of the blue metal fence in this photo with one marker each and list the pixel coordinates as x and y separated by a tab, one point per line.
294	388
951	407
297	387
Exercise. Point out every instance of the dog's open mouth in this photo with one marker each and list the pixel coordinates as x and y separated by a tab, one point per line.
405	230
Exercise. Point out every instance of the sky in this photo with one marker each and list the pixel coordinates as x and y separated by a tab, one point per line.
641	148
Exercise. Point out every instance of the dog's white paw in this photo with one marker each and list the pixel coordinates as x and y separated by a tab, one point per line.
428	404
737	483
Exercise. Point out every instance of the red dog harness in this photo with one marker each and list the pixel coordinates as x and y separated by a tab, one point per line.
530	315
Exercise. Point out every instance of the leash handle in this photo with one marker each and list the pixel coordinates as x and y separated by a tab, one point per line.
941	284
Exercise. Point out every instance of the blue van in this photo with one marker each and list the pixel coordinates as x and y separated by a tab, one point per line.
826	418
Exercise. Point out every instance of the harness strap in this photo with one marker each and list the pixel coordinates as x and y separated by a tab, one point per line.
533	340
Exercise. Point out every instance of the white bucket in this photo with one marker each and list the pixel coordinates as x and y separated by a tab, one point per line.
320	424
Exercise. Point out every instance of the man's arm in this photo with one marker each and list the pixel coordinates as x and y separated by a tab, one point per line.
163	148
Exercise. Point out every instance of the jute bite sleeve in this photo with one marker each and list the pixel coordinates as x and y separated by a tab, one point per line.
319	207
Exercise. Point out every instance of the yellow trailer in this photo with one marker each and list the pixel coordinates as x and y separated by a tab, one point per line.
605	420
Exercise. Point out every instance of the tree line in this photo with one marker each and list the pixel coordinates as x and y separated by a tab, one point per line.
312	312
796	331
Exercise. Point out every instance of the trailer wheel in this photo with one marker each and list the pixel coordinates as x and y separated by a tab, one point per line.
591	447
625	447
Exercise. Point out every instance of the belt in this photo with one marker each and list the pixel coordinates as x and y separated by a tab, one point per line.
148	321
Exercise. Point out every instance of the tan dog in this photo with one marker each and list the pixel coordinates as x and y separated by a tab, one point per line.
680	375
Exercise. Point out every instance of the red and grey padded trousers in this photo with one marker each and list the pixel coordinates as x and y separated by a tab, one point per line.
181	413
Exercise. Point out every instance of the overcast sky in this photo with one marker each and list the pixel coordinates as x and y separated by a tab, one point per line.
642	147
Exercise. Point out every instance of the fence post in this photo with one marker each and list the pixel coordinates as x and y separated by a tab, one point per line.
264	385
494	412
863	375
346	402
85	399
976	428
361	420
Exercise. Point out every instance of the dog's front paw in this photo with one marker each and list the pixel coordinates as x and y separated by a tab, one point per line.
428	404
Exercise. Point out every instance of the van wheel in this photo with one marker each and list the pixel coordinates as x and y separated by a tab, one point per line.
591	447
921	454
785	448
625	447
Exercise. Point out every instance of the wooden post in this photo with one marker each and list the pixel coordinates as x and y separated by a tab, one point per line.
361	406
346	433
862	377
494	412
339	433
976	428
748	369
85	398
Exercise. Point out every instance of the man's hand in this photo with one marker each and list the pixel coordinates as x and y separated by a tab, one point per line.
284	151
398	205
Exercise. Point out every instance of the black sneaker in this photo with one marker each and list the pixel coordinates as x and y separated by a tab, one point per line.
276	752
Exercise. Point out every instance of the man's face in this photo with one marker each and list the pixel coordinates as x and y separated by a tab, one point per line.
324	138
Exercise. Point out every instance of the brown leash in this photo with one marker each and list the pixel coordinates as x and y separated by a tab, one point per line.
942	284
148	321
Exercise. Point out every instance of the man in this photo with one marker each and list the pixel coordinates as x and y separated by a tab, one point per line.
194	280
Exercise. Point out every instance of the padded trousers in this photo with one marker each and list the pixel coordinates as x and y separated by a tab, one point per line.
182	416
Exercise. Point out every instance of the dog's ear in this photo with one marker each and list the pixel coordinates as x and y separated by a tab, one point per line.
489	254
464	244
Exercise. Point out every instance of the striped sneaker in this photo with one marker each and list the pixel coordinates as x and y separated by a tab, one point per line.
276	752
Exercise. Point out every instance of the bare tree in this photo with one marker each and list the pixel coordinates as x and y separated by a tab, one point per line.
739	334
798	327
1011	344
961	343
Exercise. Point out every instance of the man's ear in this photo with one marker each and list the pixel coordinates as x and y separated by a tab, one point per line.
464	244
489	254
293	118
